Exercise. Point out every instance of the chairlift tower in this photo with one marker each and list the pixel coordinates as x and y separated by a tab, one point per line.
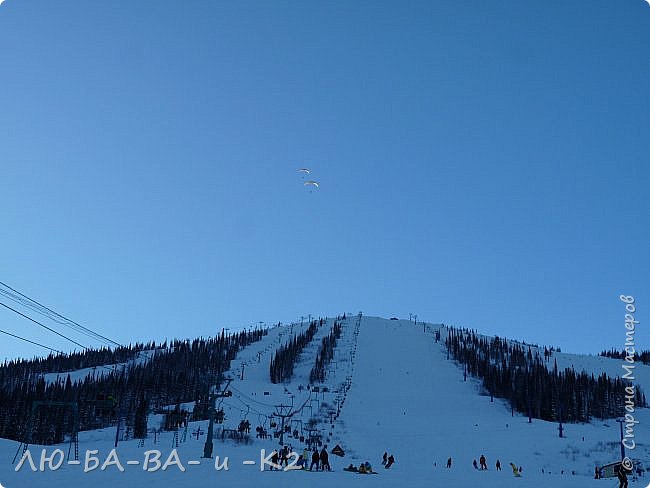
207	448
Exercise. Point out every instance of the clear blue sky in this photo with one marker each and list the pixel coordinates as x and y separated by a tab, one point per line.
484	164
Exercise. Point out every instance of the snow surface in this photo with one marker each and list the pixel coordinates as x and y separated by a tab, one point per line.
405	398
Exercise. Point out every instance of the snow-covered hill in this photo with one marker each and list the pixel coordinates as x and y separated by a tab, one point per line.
389	388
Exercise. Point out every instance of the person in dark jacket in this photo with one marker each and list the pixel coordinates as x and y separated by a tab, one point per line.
384	459
391	461
314	460
325	460
498	465
274	460
449	463
284	456
622	477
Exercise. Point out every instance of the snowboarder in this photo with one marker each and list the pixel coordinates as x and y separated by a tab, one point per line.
483	462
475	464
324	460
449	463
384	459
515	470
622	477
498	465
314	460
391	461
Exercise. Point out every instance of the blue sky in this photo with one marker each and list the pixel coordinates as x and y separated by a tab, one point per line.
484	164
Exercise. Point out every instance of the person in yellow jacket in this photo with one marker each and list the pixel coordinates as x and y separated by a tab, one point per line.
515	470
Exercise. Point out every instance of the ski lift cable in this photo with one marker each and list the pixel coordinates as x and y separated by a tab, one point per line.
251	399
247	405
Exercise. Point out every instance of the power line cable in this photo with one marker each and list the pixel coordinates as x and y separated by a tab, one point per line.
40	310
44	326
58	315
31	342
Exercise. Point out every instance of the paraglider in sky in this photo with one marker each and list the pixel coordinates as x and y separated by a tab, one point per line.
304	170
312	184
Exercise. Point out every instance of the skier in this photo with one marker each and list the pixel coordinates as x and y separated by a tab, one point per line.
449	463
498	465
314	460
324	460
474	464
483	462
384	458
391	461
622	477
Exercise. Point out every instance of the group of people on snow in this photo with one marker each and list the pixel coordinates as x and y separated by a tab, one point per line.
319	459
481	465
387	461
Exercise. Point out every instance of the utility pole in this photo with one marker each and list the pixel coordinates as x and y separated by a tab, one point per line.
120	414
620	422
207	449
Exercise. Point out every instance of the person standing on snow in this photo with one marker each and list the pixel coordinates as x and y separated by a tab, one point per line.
314	460
324	460
391	461
622	477
498	465
449	463
483	462
274	460
384	459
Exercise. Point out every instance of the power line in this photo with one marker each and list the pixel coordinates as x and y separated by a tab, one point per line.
57	317
31	342
44	326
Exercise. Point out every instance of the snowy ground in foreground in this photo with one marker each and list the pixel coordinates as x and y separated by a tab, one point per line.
406	398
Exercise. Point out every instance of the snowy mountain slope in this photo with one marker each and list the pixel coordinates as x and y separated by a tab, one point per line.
404	398
97	371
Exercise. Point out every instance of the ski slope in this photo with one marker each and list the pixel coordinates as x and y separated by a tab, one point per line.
398	393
